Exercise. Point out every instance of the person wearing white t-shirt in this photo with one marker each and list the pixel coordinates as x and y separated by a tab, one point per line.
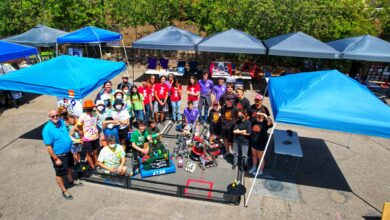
120	114
112	157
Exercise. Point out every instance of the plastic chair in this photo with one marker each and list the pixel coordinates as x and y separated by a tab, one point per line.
193	67
152	63
164	63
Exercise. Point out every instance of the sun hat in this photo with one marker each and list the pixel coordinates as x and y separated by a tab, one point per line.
99	102
88	104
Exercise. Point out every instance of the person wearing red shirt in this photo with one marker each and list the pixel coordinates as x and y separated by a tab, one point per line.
152	84
161	96
147	93
175	96
193	91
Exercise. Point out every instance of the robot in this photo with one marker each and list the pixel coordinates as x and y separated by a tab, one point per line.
158	156
204	152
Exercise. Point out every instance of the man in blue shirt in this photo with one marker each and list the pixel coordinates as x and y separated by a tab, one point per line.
58	142
206	88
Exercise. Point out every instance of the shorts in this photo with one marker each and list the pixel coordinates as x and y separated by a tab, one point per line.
159	108
215	129
67	163
123	133
227	132
258	147
90	146
76	148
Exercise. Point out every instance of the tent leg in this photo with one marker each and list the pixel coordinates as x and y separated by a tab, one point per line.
2	68
349	142
39	58
56	50
100	49
86	49
127	59
258	168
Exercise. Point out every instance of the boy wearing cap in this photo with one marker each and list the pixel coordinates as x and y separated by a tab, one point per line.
215	121
206	88
258	107
88	122
125	81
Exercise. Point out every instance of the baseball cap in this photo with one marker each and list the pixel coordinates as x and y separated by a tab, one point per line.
99	102
125	75
259	97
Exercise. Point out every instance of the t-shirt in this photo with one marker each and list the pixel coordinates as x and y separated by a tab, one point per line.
57	137
229	116
111	157
191	115
161	91
206	87
169	84
139	138
89	126
152	89
219	90
146	92
112	132
224	97
121	115
175	96
243	125
259	133
193	89
102	116
215	117
154	130
254	110
138	103
76	135
243	104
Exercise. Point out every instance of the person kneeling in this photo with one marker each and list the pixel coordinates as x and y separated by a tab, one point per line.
112	157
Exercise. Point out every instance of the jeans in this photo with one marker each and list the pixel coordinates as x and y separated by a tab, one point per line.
240	149
147	112
139	114
176	110
204	101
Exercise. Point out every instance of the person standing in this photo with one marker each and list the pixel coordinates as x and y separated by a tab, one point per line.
219	89
206	88
145	90
125	81
193	91
102	113
258	107
122	118
106	94
176	91
229	116
242	102
56	138
152	85
88	122
137	102
242	132
169	83
215	121
161	96
229	94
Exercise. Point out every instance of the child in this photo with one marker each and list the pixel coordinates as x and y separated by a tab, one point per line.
75	136
175	97
112	157
137	102
191	116
110	128
153	129
215	121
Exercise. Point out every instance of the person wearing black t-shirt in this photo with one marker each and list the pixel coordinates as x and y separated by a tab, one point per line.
242	132
215	121
228	95
229	117
258	140
258	107
242	102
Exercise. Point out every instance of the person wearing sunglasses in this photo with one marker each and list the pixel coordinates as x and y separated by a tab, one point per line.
56	138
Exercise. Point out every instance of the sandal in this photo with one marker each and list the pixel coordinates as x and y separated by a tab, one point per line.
67	195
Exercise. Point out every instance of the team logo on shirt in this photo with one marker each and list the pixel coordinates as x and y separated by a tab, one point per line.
256	128
162	91
141	139
216	116
228	116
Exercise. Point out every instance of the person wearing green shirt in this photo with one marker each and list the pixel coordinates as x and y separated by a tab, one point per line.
139	139
137	102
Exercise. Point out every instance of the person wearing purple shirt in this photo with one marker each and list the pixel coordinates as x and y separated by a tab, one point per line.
190	114
206	88
219	90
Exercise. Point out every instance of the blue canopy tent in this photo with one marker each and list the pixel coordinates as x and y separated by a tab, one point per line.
169	38
299	44
63	76
9	51
38	36
232	41
364	47
327	100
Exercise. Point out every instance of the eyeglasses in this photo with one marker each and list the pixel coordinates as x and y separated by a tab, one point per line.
54	116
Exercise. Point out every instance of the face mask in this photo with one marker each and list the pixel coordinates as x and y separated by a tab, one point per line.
100	108
110	126
64	114
119	97
126	91
112	146
118	107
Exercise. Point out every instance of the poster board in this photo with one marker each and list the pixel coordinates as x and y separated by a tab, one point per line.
75	52
74	106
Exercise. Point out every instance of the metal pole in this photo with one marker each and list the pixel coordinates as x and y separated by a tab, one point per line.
100	48
39	58
127	59
261	161
350	140
56	49
86	49
266	87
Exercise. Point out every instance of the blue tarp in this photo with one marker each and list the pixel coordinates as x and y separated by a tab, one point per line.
328	100
90	34
232	41
9	51
169	38
365	47
38	36
299	44
63	76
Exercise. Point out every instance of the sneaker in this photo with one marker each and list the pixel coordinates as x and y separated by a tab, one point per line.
77	183
234	167
253	170
67	195
225	155
259	174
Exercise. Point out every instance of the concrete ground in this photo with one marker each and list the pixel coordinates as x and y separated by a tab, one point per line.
334	182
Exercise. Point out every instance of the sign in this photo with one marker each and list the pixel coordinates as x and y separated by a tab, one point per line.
74	106
78	52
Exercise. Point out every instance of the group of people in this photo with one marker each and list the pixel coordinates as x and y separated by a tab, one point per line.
123	120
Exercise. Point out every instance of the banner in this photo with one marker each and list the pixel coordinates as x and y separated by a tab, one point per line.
74	106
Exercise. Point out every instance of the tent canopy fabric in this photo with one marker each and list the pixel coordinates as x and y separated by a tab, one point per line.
63	76
9	51
90	34
232	41
38	36
364	47
299	44
328	100
169	38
